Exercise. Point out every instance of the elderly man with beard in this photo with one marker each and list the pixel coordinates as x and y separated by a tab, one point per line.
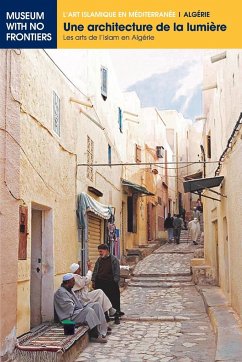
106	276
82	292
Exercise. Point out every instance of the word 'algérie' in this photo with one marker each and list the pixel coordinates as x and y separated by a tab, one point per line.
196	14
142	37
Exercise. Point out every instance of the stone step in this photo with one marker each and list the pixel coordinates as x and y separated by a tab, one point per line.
164	279
185	274
160	285
175	252
161	318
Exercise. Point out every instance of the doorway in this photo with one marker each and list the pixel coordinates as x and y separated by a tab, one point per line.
42	266
215	238
151	221
123	227
226	256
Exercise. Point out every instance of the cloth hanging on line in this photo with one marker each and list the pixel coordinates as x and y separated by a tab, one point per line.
87	203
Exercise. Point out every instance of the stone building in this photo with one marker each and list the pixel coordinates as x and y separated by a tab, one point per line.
184	138
222	136
49	129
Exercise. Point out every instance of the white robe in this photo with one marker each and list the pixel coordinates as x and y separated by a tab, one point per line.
68	306
196	214
194	229
81	291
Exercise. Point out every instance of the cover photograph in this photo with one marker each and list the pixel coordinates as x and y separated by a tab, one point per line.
120	181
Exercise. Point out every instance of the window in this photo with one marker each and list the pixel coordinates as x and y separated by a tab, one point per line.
209	146
137	153
56	113
159	151
104	83
109	155
120	119
90	158
132	214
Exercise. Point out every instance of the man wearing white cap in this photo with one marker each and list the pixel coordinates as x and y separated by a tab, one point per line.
68	306
81	290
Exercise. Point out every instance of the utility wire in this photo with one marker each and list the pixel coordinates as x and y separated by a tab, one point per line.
174	168
145	163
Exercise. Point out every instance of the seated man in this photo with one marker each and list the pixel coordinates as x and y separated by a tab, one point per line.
68	306
81	290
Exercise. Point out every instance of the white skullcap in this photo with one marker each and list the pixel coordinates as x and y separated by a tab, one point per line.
74	267
68	276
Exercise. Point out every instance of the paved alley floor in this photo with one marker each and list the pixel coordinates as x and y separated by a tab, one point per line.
165	319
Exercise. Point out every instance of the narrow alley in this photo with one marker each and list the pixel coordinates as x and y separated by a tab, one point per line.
165	319
123	149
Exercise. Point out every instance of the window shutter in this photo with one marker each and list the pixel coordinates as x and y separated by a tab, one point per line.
56	113
104	82
90	158
209	146
120	119
94	236
130	214
138	154
109	155
23	232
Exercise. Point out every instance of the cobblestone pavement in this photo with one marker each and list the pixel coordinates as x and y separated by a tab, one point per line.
164	320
